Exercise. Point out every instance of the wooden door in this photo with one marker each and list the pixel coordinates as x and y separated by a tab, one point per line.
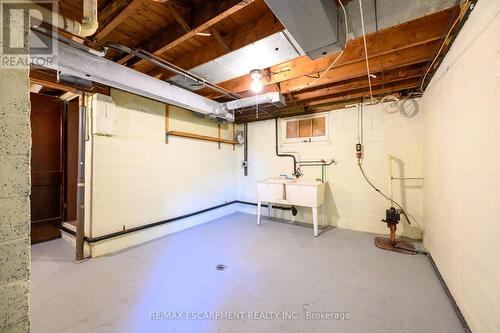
46	167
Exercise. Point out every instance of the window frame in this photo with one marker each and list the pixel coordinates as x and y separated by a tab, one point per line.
310	139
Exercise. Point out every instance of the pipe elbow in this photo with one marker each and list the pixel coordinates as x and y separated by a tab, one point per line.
88	28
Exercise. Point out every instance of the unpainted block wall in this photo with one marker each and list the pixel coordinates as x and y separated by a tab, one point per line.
15	146
15	186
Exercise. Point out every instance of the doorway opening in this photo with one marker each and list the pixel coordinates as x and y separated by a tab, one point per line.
54	165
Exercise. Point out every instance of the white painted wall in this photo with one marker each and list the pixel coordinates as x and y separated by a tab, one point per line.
350	202
137	179
461	167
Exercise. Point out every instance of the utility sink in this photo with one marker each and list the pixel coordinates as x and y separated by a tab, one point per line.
278	181
296	192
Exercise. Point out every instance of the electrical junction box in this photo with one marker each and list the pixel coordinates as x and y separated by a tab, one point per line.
104	115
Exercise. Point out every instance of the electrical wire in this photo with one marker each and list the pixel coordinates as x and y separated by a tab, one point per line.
378	44
366	49
440	49
338	57
360	140
381	193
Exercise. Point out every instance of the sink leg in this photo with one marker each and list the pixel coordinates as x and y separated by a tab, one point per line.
315	220
270	210
258	212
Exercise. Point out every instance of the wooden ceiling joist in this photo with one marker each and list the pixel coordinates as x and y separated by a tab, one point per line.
49	80
178	17
388	77
208	14
243	36
391	41
377	90
394	60
114	14
326	104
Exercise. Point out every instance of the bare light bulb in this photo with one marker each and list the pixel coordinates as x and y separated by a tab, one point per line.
256	86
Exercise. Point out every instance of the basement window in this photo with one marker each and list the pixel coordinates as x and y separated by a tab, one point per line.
305	129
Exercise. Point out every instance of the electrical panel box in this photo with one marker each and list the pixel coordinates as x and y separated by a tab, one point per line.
104	115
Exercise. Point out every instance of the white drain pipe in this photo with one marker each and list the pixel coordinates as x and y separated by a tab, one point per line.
86	28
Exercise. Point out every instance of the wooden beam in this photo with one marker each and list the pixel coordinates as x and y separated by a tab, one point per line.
297	112
219	39
114	14
124	59
247	34
403	58
398	86
208	14
49	80
178	17
389	77
413	33
68	96
35	87
200	137
323	105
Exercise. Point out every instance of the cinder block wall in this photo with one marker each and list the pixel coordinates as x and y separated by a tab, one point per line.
15	147
462	178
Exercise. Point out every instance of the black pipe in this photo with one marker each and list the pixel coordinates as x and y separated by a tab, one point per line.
155	224
284	155
454	304
245	150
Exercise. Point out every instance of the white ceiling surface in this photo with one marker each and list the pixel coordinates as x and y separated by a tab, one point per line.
276	49
264	53
390	12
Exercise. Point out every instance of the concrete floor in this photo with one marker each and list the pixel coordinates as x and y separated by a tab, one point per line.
275	267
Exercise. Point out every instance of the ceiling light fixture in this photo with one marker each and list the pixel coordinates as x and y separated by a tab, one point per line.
256	85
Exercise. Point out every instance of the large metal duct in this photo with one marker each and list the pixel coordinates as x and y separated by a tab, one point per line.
314	27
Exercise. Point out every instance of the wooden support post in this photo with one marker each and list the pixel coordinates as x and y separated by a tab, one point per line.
167	118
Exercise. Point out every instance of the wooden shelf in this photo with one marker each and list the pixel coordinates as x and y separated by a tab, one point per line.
200	137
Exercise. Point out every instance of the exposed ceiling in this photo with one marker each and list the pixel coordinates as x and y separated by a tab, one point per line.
222	40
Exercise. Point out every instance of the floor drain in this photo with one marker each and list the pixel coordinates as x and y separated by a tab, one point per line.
220	267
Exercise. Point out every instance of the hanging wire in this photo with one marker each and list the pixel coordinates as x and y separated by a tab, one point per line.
366	49
451	26
378	44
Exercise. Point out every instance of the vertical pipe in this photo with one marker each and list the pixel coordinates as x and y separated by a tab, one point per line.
284	155
80	196
234	137
167	120
389	162
245	150
218	133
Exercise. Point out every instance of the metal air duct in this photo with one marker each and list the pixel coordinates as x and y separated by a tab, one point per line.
314	27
